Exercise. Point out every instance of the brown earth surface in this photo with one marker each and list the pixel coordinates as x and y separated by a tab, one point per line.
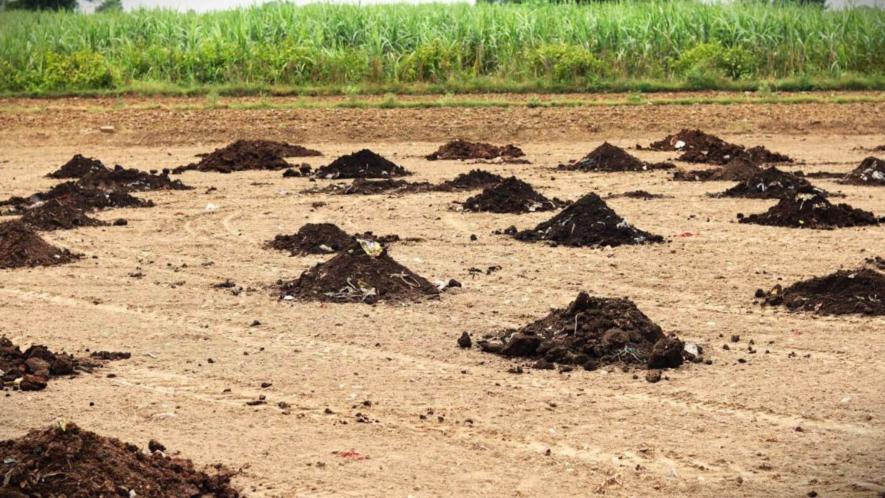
379	400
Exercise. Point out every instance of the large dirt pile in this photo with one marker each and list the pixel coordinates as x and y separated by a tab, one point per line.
511	196
21	247
131	180
590	332
474	179
587	222
361	164
55	215
699	147
462	149
608	157
737	170
77	196
770	183
808	209
313	238
34	367
871	171
245	155
860	291
363	273
78	166
66	461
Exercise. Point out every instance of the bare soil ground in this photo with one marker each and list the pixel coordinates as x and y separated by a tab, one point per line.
803	413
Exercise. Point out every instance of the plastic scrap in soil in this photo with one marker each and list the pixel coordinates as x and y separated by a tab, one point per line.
78	166
737	169
361	164
55	215
860	291
608	157
699	147
587	222
462	149
771	183
356	276
807	208
32	369
21	247
590	332
871	171
64	460
245	155
511	196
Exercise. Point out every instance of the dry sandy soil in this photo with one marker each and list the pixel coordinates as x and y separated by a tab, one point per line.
449	421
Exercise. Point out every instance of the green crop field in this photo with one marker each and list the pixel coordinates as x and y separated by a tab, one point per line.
316	49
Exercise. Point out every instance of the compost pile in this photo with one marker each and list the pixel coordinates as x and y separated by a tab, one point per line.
761	155
860	291
77	196
78	166
312	238
699	147
737	169
608	157
130	180
21	247
770	183
245	155
34	367
511	196
474	179
362	273
361	164
462	149
871	171
587	222
809	209
590	332
64	460
55	215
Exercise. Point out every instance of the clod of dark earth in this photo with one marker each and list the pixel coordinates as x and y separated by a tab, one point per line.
637	194
860	291
322	238
363	273
55	215
21	247
699	147
245	155
806	208
361	164
771	183
608	157
587	222
462	149
737	169
871	171
65	460
511	196
77	167
590	332
32	369
303	170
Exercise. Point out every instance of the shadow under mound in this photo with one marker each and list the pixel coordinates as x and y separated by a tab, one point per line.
65	460
462	149
809	209
610	158
591	332
32	369
771	183
587	222
78	166
511	196
737	170
21	247
699	147
245	155
860	291
871	171
361	164
55	215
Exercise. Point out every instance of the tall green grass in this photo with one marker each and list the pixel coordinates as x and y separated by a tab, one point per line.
667	44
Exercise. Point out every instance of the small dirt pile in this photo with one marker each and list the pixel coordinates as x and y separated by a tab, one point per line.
245	155
590	332
736	170
131	180
761	155
511	196
312	238
871	171
65	460
361	186
21	247
474	179
55	215
699	147
32	369
770	183
77	196
587	222
860	291
78	166
361	164
362	273
808	209
608	157
462	149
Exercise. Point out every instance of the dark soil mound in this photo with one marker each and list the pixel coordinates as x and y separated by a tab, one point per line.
34	367
819	174
587	222
859	291
131	180
638	194
511	196
699	147
475	179
608	157
871	171
312	238
809	209
362	186
761	155
770	183
77	196
21	247
361	164
355	276
55	215
302	171
462	149
65	460
738	169
77	167
245	155
590	332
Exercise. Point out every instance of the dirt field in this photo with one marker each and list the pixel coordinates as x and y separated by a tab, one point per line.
445	421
